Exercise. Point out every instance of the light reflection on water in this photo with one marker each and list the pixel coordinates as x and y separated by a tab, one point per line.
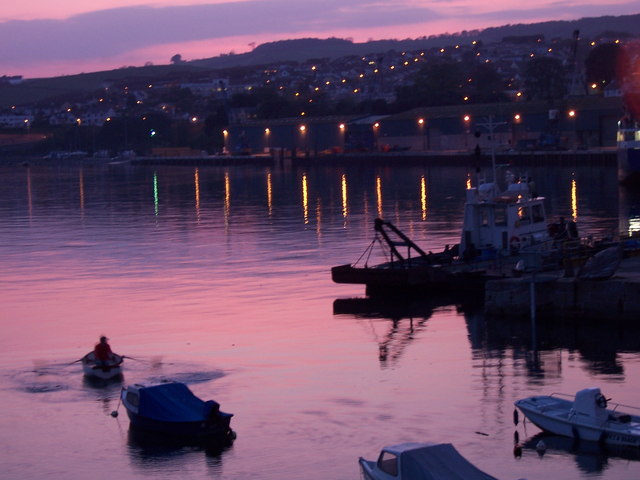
219	277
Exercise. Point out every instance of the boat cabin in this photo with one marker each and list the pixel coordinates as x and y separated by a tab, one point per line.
590	405
502	223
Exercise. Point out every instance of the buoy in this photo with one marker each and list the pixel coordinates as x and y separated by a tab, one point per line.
541	447
517	451
114	414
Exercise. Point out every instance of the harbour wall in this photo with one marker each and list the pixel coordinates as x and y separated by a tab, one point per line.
617	297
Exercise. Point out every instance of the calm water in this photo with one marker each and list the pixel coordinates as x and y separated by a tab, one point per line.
219	277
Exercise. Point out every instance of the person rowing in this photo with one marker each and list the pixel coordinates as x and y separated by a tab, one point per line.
102	351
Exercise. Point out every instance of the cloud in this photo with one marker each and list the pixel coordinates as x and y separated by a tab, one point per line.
108	33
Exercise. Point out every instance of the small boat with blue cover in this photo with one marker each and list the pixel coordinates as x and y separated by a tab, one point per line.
172	409
421	461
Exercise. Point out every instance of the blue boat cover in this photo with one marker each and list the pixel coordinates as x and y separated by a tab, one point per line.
173	402
439	462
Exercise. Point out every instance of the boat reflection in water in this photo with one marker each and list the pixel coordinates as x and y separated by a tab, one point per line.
151	452
408	318
599	344
590	457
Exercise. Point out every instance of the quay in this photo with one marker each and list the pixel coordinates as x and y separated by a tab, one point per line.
594	157
569	297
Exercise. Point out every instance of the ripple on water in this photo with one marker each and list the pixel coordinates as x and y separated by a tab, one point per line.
39	380
188	377
45	388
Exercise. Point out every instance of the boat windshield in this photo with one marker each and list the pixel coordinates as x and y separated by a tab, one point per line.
388	463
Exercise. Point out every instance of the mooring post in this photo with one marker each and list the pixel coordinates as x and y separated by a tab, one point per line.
532	295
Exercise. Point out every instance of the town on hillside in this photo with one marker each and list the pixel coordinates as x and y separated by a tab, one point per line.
534	92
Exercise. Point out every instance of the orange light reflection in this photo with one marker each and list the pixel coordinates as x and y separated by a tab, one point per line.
305	198
574	200
379	195
345	207
423	197
269	194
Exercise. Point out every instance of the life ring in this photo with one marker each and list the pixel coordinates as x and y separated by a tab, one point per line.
514	243
601	401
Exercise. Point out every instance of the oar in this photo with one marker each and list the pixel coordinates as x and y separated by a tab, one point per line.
134	358
154	361
79	360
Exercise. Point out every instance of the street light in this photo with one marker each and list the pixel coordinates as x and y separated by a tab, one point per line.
376	126
467	121
225	139
421	124
572	115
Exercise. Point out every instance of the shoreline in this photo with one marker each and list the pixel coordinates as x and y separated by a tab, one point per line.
595	157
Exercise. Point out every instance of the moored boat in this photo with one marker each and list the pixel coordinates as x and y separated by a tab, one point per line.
108	370
499	230
628	151
588	416
172	409
420	461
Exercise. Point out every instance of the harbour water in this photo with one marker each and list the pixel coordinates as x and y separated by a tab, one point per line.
219	277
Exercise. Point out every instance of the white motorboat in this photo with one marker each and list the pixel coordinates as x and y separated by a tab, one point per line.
93	368
421	461
589	416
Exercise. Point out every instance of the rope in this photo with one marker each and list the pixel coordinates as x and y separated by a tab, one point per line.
114	414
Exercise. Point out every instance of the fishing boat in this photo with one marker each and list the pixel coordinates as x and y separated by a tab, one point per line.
173	410
420	461
109	370
500	229
589	416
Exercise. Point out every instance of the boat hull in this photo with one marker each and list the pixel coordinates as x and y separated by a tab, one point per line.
386	278
629	162
92	369
192	430
555	415
366	469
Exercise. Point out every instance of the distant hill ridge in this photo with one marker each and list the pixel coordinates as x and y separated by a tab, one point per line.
310	48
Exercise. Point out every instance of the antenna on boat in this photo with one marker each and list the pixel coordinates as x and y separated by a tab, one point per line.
490	126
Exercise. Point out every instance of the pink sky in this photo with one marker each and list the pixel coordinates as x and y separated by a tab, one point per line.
42	38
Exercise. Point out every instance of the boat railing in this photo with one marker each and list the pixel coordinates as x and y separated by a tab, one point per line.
611	406
555	254
614	407
565	395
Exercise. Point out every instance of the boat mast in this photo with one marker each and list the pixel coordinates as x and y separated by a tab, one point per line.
490	126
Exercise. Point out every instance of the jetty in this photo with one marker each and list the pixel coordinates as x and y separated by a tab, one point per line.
556	294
